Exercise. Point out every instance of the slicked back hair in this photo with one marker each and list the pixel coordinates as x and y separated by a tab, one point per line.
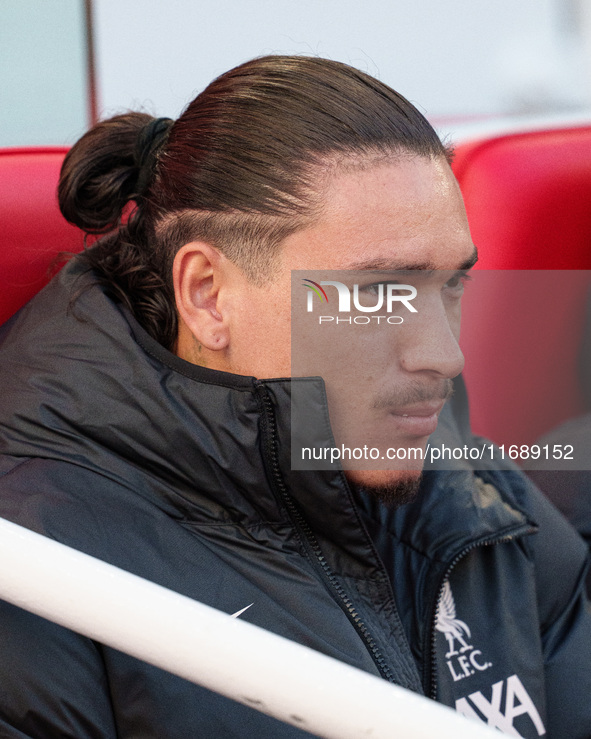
243	167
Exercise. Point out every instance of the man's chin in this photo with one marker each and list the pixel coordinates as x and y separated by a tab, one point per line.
393	488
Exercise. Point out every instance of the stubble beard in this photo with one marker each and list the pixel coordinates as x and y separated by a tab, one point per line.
397	488
392	494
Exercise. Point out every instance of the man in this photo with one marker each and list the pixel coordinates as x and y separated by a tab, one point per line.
138	423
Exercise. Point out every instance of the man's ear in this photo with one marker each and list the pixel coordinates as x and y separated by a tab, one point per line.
198	278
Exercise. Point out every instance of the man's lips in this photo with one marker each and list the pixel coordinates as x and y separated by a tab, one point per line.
418	419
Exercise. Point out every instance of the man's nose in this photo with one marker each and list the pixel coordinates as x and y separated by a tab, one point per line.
430	343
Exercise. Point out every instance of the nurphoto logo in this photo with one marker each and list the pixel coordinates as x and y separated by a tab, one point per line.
388	296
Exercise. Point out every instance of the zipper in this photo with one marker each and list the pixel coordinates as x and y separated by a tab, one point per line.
522	530
314	550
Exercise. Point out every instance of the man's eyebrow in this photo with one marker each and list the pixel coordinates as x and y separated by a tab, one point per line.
470	262
387	264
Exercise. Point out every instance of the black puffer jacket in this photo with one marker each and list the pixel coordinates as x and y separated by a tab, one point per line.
182	475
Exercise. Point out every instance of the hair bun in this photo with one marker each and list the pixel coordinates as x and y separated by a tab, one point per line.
100	172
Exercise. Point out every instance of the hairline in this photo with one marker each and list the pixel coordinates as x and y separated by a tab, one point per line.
253	240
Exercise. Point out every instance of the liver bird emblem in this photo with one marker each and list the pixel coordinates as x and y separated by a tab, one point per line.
453	628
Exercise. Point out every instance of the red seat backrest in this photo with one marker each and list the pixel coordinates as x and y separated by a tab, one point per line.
528	198
33	231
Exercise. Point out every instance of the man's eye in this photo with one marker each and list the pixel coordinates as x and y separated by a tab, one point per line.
374	288
457	283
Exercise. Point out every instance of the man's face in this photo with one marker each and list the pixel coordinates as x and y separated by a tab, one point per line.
398	215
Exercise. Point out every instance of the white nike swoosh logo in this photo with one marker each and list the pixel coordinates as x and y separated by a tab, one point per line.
241	611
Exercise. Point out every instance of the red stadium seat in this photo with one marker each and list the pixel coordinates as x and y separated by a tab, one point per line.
34	232
528	197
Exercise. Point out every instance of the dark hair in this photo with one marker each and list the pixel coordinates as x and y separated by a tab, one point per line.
242	168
